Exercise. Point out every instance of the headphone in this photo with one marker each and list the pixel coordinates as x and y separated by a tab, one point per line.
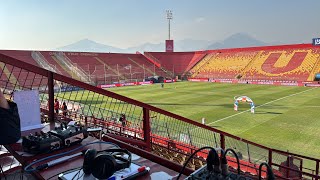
102	164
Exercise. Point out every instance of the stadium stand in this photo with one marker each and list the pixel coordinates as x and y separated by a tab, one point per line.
113	66
201	64
21	55
87	62
175	62
97	68
294	65
283	63
131	66
52	59
226	64
196	58
316	68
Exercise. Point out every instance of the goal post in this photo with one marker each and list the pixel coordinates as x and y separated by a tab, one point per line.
243	99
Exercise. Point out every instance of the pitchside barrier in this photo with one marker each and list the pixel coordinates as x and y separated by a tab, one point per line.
146	127
265	82
132	83
125	84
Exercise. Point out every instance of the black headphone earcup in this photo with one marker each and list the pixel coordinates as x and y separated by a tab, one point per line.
103	166
89	156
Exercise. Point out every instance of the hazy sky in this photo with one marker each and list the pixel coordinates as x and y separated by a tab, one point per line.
49	24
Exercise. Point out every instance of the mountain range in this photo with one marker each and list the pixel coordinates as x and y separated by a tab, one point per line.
234	41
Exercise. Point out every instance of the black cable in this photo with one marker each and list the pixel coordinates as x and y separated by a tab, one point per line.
184	166
235	154
26	169
5	177
80	176
270	175
77	174
69	170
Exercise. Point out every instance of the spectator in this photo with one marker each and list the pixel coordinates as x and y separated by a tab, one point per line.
123	120
10	131
291	174
64	109
56	106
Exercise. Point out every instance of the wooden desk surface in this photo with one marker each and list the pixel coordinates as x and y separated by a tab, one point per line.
156	171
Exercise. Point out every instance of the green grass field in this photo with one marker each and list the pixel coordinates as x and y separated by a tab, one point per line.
286	118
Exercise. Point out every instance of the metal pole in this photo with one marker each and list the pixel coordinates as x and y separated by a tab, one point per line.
144	72
169	28
222	141
146	128
248	151
173	71
169	17
190	138
130	72
270	157
118	72
215	139
317	169
89	76
51	96
104	70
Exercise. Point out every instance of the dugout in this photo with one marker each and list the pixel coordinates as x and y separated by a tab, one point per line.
155	79
317	77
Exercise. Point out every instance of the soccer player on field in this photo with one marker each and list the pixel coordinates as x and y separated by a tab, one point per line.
235	105
252	107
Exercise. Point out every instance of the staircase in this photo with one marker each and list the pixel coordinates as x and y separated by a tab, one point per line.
150	71
152	59
156	62
248	66
169	73
203	63
115	71
77	72
315	69
42	62
193	63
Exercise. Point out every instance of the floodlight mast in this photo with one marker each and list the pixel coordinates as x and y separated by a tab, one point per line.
169	17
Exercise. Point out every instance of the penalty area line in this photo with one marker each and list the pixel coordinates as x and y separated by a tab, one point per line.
262	105
222	119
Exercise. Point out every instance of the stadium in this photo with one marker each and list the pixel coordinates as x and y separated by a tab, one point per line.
178	102
280	96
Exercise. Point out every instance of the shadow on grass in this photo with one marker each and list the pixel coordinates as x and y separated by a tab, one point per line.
275	107
266	112
191	104
88	102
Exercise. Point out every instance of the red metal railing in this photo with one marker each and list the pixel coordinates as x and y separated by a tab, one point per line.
149	125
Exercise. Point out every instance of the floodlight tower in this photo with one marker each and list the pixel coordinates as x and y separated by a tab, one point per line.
169	17
169	42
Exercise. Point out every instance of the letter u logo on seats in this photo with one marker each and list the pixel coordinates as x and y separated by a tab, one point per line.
269	64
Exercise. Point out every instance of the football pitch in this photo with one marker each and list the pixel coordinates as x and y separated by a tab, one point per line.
286	118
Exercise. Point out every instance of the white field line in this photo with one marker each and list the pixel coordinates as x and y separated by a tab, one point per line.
295	106
261	105
222	119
